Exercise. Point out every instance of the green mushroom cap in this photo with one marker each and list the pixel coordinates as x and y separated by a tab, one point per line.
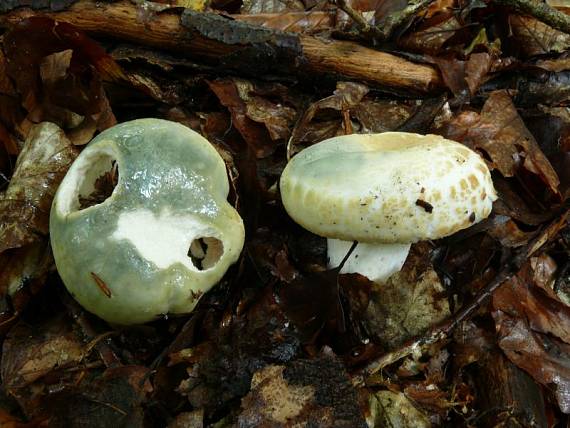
132	257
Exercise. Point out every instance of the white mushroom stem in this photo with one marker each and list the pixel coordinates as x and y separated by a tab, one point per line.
377	262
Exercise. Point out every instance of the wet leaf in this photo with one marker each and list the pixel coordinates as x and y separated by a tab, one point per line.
500	134
476	70
544	358
409	303
36	356
220	370
308	129
25	205
23	272
507	232
316	391
54	5
541	308
113	399
58	72
512	204
30	353
297	299
193	419
382	115
534	37
453	74
431	39
260	121
393	409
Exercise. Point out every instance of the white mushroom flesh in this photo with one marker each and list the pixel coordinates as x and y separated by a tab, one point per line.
377	262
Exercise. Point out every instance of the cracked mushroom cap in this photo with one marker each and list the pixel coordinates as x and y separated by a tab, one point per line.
164	236
390	188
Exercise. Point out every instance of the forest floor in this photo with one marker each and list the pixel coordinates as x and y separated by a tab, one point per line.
473	331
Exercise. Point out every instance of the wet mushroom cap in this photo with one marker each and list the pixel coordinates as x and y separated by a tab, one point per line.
393	187
165	235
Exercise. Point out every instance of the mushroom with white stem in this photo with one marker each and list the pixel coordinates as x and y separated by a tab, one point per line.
164	236
385	191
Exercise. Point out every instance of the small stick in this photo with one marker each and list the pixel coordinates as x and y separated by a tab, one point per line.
541	11
386	28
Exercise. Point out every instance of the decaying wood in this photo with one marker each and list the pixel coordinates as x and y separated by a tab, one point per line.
241	47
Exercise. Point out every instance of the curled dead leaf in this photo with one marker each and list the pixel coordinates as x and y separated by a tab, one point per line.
500	134
25	205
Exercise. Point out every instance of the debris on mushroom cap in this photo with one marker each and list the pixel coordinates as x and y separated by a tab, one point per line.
393	187
164	236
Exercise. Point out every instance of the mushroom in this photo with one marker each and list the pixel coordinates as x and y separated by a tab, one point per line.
385	191
164	236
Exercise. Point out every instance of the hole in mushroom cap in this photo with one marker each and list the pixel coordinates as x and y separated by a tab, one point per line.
205	252
92	181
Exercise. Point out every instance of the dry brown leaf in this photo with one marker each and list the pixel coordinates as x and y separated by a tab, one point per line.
557	65
58	71
346	96
431	40
25	206
476	69
261	122
453	74
545	358
507	232
535	38
542	309
382	115
30	353
54	67
500	133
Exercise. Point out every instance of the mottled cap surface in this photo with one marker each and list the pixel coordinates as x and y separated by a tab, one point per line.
393	187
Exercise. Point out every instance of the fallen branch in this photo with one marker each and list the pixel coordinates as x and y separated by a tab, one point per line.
443	331
242	47
541	11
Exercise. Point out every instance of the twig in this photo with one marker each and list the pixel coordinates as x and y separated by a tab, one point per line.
443	331
365	28
396	19
386	28
541	11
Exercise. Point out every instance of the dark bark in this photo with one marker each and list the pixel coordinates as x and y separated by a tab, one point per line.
242	47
